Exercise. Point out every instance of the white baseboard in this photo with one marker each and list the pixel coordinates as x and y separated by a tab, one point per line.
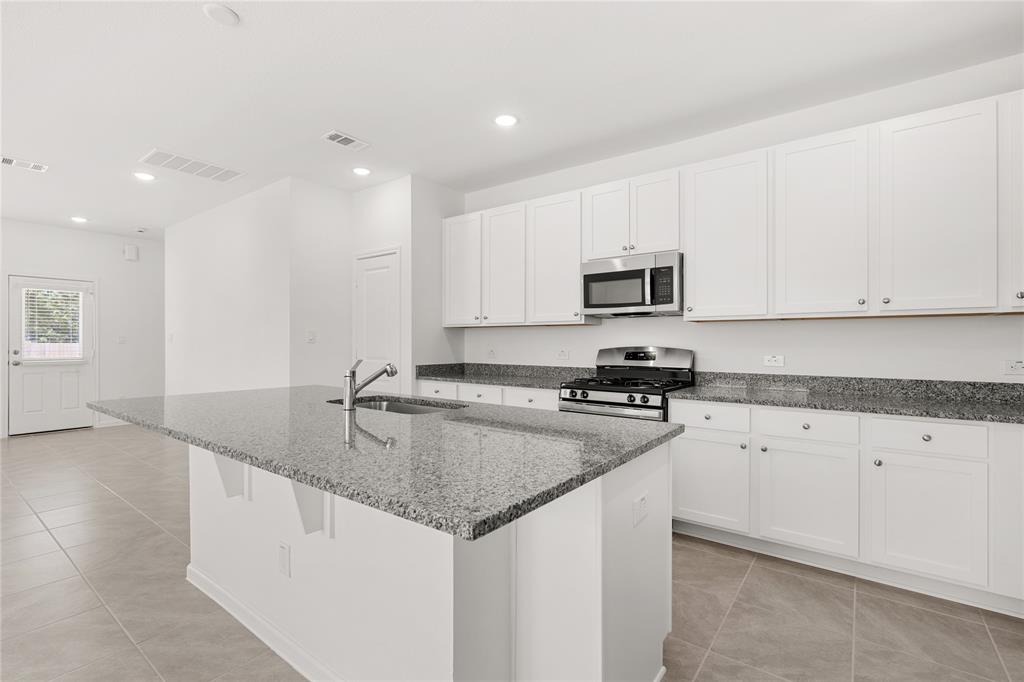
907	581
282	645
661	674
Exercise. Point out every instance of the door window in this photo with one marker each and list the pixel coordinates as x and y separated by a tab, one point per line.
52	328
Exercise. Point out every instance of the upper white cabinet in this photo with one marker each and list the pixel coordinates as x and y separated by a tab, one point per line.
461	239
553	287
630	217
821	224
937	209
725	226
504	265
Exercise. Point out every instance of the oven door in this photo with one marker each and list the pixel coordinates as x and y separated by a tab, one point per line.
618	286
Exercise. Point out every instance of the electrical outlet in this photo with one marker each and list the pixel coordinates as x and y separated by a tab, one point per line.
1014	367
639	509
562	354
310	336
491	355
775	361
284	559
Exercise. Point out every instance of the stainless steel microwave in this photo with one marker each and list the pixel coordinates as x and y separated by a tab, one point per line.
634	286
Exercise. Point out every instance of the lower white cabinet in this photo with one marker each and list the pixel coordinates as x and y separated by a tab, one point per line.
439	389
515	396
809	494
538	398
480	393
711	479
929	514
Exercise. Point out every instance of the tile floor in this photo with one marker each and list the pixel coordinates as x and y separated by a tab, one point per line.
94	543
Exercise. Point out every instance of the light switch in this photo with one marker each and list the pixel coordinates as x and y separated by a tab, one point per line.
775	361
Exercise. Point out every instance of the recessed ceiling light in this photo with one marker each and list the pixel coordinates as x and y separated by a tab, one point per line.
143	176
361	171
506	120
222	14
78	219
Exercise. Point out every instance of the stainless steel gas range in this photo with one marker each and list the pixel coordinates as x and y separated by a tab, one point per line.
631	381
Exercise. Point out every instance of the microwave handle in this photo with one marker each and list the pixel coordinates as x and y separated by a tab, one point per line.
648	298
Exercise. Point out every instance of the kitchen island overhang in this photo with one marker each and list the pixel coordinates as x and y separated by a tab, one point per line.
484	542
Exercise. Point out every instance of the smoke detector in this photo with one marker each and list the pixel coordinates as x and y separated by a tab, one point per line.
345	140
26	165
189	166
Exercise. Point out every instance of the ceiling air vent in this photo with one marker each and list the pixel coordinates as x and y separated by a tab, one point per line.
184	164
27	165
345	140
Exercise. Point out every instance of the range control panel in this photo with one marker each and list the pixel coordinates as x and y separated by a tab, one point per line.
641	355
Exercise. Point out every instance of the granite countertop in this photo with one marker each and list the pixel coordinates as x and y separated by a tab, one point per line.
937	406
467	471
551	383
519	376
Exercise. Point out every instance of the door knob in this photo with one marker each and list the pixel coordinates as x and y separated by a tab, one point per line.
878	462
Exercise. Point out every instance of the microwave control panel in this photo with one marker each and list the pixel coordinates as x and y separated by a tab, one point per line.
662	283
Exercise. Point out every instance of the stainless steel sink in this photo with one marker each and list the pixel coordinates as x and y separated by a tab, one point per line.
402	407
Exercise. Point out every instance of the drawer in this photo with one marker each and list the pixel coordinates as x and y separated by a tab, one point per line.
719	416
966	440
531	397
439	389
809	425
479	393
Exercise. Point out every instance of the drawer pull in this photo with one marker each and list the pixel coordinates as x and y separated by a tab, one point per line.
878	462
806	427
479	395
529	400
437	390
886	300
743	446
764	448
927	438
861	301
707	417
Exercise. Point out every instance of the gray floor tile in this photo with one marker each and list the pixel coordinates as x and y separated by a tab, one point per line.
1004	622
707	571
26	546
39	606
681	660
51	489
873	663
805	571
815	602
696	614
63	646
12	506
85	512
720	669
1011	649
784	646
61	500
90	556
130	667
266	668
39	570
214	647
950	641
922	600
12	527
99	530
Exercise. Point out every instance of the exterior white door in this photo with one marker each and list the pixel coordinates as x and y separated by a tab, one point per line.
606	221
929	515
462	270
938	223
809	495
51	354
654	213
376	316
711	480
726	231
553	287
504	265
821	224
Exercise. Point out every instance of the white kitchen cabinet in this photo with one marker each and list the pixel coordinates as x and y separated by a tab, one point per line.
725	228
553	288
929	515
711	479
809	494
462	269
480	393
537	398
630	217
504	265
938	226
439	389
821	224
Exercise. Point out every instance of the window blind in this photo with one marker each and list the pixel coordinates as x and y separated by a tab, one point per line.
51	324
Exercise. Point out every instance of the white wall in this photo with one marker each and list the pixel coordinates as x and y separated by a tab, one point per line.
130	298
966	348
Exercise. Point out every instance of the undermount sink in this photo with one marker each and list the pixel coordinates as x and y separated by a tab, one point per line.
402	407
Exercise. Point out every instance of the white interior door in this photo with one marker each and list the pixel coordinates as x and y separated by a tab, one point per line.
51	354
376	316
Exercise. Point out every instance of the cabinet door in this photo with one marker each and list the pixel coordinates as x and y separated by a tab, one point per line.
553	286
504	267
606	221
725	230
462	270
821	224
654	213
930	515
711	480
938	227
809	495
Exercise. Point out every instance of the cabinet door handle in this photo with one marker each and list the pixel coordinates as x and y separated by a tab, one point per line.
529	400
707	417
886	300
878	462
625	248
437	390
485	317
479	395
764	448
743	446
689	308
1020	294
806	427
632	246
861	301
575	314
476	317
927	438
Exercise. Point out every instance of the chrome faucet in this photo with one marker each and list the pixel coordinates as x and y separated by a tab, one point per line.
352	388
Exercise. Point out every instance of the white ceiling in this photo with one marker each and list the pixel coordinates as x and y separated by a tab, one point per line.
89	88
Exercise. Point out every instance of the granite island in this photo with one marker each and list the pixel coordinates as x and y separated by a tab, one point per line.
475	542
